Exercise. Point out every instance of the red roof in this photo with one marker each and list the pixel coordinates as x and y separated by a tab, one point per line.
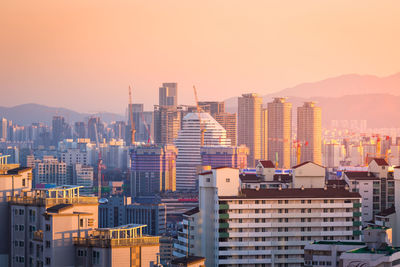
304	163
360	175
380	162
267	164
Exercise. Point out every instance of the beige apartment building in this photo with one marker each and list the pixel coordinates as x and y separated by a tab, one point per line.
280	132
123	246
44	223
13	180
251	126
309	133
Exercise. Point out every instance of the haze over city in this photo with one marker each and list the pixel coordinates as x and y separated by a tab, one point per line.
83	54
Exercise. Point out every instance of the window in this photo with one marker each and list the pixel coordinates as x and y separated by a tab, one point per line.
48	261
21	212
228	180
96	257
80	222
48	227
207	180
48	244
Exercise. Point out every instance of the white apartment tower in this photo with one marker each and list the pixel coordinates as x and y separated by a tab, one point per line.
267	227
189	142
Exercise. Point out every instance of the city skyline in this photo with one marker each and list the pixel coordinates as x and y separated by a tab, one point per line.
89	49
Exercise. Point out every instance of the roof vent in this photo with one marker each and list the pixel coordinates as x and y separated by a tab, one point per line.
334	185
302	187
347	187
325	188
280	187
257	188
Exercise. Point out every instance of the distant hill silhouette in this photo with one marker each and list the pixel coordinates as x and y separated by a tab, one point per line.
28	113
347	97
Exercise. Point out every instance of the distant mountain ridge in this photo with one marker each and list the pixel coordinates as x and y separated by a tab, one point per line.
29	113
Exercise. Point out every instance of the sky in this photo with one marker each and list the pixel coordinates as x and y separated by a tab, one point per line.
83	54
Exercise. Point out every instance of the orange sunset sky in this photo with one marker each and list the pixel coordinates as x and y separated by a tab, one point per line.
83	54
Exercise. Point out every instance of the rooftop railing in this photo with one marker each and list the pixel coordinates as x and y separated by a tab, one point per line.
107	243
40	201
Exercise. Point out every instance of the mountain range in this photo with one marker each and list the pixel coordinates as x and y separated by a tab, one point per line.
346	97
28	113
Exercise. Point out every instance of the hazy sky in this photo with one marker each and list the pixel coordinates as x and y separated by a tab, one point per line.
83	54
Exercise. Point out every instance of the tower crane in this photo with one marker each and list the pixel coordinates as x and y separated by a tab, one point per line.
133	130
100	165
199	110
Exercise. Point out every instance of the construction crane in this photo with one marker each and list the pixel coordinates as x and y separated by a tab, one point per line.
133	130
199	110
298	145
100	165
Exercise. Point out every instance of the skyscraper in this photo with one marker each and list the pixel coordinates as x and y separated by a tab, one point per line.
167	122
60	129
280	132
309	132
250	124
80	129
95	127
168	94
189	143
229	122
3	129
153	169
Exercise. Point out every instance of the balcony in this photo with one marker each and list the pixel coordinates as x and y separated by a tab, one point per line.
224	216
40	201
223	235
38	235
357	223
356	233
223	206
223	225
356	214
107	243
356	205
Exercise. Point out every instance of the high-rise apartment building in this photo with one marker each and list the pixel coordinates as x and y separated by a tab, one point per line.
14	180
309	132
83	175
153	169
229	122
50	170
95	127
143	123
189	144
280	132
3	129
167	122
60	129
270	226
376	186
250	126
168	94
44	223
80	129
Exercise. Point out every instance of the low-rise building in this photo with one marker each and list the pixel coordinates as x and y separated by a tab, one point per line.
44	223
191	261
123	246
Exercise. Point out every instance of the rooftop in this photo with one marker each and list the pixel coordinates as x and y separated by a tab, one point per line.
296	193
387	212
388	251
267	164
187	260
191	211
305	163
339	243
380	161
360	175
